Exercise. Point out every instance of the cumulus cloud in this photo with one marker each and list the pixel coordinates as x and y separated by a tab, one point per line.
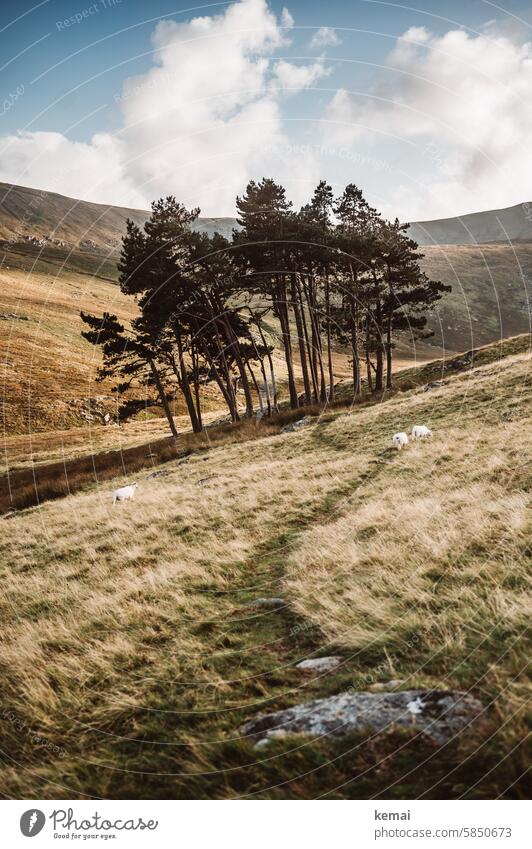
463	102
325	37
47	160
199	123
294	78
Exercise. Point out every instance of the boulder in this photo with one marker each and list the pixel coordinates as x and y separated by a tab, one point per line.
434	385
266	603
319	664
437	715
304	422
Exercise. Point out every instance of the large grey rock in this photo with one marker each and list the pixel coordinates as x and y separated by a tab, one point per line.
319	664
434	385
304	422
438	715
266	603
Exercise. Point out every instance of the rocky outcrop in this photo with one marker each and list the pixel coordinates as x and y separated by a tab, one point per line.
304	422
266	603
437	715
319	664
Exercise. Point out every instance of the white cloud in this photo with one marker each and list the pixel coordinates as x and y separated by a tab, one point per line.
89	171
287	19
325	37
294	78
196	124
468	96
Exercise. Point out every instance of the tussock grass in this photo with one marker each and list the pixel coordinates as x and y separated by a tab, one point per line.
127	643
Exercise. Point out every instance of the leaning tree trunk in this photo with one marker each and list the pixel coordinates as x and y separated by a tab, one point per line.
379	370
234	344
329	340
285	330
264	378
313	372
185	386
300	339
389	381
368	353
164	399
272	370
195	372
355	357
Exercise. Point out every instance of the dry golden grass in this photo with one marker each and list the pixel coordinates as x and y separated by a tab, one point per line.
411	562
46	363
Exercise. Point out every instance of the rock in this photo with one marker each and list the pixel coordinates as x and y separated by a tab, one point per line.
434	385
437	715
266	603
13	316
319	664
304	422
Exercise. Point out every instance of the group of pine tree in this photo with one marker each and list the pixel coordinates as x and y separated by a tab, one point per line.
333	276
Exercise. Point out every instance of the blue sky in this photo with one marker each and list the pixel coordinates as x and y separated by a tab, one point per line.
119	100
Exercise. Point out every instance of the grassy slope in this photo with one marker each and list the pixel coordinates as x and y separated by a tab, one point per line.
126	643
491	293
45	363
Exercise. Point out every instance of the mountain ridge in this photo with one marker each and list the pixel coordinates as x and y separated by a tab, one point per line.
39	216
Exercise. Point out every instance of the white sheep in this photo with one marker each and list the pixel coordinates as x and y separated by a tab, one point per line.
421	432
400	440
125	493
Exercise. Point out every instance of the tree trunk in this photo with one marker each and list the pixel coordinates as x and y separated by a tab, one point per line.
265	379
164	400
234	344
256	385
357	384
389	381
195	372
185	386
329	342
225	390
313	372
368	355
272	370
300	339
379	370
285	330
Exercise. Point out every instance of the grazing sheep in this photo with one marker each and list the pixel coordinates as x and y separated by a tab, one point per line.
421	432
400	440
124	493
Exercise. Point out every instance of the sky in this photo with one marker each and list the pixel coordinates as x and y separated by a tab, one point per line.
427	107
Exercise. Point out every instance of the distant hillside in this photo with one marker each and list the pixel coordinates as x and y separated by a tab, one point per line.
34	214
496	225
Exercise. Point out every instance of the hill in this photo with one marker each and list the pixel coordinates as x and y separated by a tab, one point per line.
512	224
37	216
133	641
27	213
